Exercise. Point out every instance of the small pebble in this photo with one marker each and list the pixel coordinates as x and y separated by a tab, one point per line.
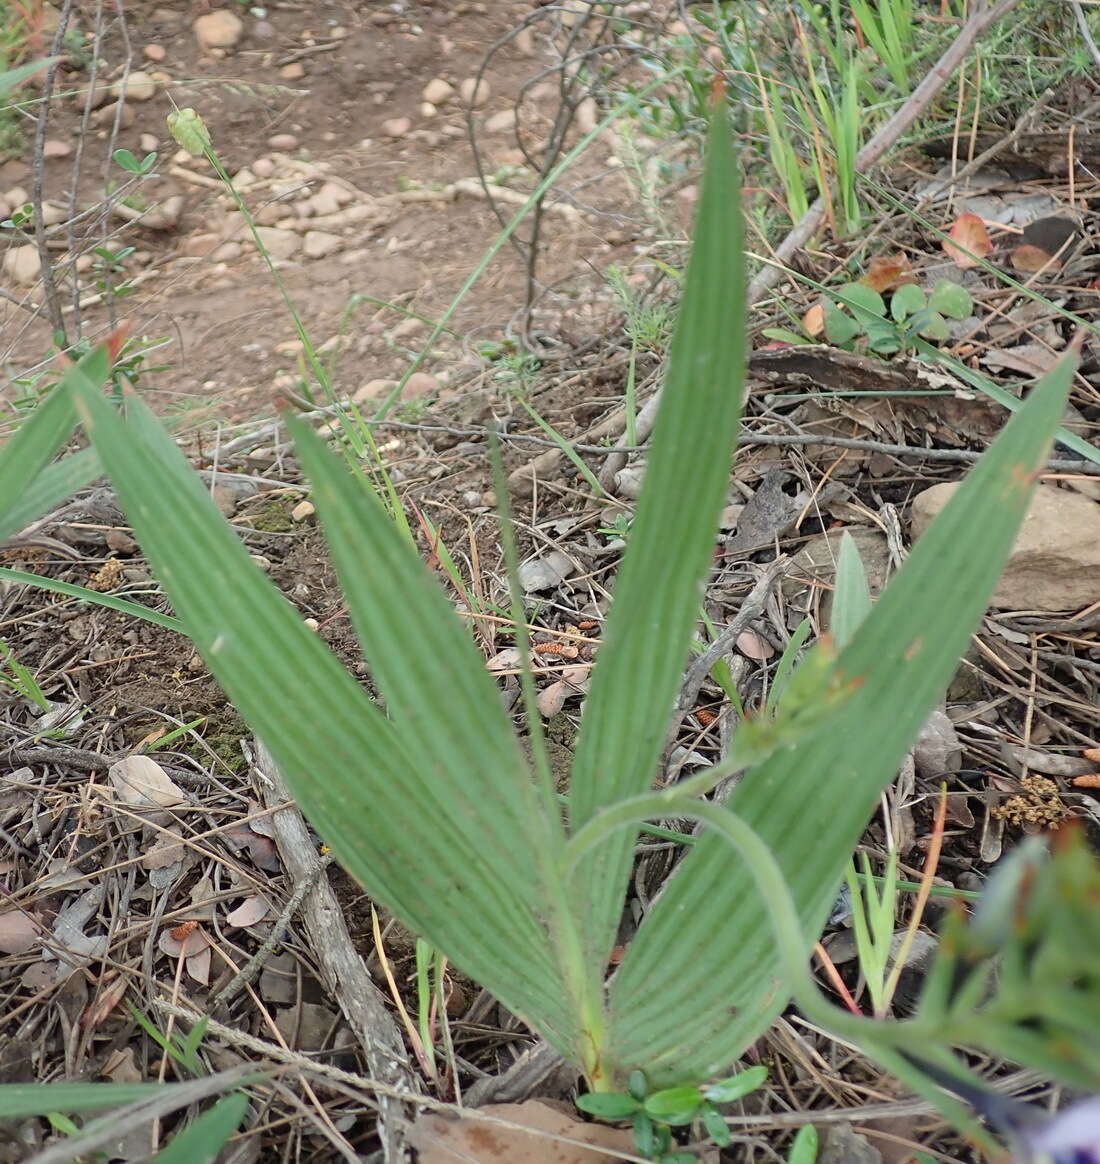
295	71
218	29
474	92
148	143
396	126
53	148
283	142
263	167
437	91
319	243
303	510
312	624
155	52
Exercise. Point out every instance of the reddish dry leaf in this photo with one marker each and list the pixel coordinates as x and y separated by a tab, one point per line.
198	966
754	646
261	820
19	932
813	322
250	912
888	272
1031	259
968	234
186	947
264	854
105	1003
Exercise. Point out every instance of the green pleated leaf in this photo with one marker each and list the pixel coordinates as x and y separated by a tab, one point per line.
701	979
444	859
659	587
851	596
39	439
437	690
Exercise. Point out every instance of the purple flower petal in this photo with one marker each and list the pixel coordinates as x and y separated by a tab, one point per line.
1070	1137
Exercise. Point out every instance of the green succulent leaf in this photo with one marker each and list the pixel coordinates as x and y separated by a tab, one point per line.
907	300
839	328
608	1105
675	1105
951	299
737	1086
716	1126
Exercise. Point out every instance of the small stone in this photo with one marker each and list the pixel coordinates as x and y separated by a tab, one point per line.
244	178
501	122
474	92
319	243
53	213
198	246
420	384
324	202
218	29
263	167
227	252
280	244
437	91
283	142
427	110
340	194
119	541
23	264
524	42
138	86
17	196
53	148
270	214
407	327
262	562
155	52
338	33
106	115
311	623
588	115
295	71
303	510
195	663
396	126
374	390
263	30
148	143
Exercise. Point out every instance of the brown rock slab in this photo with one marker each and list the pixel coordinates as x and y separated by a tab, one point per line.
218	29
1055	561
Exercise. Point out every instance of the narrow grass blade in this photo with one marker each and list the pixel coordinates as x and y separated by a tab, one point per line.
41	436
647	635
202	1140
134	609
53	485
852	596
705	950
19	1101
449	867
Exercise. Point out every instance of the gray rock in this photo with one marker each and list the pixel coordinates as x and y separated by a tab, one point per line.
319	243
281	244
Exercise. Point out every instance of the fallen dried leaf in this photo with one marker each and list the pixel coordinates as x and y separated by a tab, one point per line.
1031	259
250	912
506	660
888	272
1027	359
198	966
187	947
754	646
142	782
120	1067
442	1139
166	850
105	1002
19	932
813	322
968	234
551	699
39	975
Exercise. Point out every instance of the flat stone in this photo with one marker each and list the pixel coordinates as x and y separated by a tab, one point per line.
816	561
295	71
437	91
138	86
396	126
106	116
283	142
474	92
23	264
148	143
319	243
1055	561
53	148
280	244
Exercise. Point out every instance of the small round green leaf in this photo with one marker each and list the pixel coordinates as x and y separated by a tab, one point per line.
839	328
951	299
636	1085
935	328
862	302
716	1126
906	300
127	161
676	1105
607	1105
804	1147
736	1086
